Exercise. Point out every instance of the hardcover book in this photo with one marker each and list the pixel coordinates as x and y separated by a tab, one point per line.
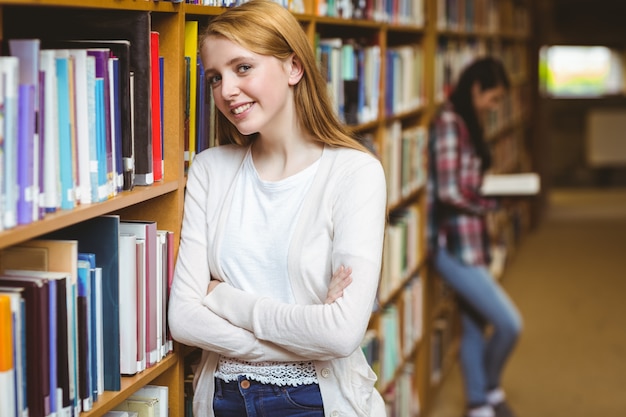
511	184
100	235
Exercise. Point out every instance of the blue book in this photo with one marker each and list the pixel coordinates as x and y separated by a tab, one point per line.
83	303
66	148
202	141
9	69
26	154
101	140
100	235
95	316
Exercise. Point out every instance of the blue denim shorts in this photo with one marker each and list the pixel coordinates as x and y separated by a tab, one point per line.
248	398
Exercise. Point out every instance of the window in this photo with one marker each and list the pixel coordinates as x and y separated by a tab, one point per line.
580	71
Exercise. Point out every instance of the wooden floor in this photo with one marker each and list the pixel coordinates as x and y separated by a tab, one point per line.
568	280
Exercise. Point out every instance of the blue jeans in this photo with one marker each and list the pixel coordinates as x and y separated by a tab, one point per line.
248	398
482	302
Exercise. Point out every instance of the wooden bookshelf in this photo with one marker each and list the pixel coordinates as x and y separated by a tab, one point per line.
425	34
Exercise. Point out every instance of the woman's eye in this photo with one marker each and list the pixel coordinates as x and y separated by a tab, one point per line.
214	79
243	68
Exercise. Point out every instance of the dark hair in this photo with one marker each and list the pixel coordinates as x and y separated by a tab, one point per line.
489	73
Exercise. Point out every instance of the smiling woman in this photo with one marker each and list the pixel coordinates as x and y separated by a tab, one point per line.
276	276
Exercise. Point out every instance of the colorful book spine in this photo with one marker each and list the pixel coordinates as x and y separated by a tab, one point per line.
102	72
7	372
27	51
84	335
157	152
66	162
101	140
26	153
191	51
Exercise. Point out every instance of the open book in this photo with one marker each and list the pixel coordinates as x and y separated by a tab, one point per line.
521	184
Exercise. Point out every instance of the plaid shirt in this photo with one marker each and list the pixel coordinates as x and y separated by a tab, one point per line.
456	209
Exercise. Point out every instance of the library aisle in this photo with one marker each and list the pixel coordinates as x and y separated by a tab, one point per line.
568	279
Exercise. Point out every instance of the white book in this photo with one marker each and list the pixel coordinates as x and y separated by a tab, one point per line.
83	141
161	276
147	230
128	303
51	193
158	392
141	304
511	184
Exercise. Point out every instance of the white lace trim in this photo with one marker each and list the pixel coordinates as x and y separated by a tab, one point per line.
277	373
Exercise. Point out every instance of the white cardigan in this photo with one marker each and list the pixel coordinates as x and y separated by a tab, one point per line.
342	223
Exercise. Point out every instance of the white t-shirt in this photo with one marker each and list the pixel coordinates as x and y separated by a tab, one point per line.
254	257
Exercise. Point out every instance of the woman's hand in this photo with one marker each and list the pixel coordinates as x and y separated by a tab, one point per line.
339	282
212	284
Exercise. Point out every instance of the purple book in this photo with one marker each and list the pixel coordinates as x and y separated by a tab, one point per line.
25	155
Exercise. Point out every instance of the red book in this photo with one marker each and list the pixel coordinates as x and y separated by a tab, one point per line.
155	77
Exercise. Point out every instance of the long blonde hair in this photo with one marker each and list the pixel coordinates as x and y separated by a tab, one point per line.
267	28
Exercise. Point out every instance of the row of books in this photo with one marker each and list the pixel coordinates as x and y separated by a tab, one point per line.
87	305
83	109
468	15
404	160
482	16
400	330
404	81
452	55
200	111
408	12
352	72
401	396
403	250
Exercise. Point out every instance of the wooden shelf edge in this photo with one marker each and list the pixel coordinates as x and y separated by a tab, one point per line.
110	399
63	218
126	5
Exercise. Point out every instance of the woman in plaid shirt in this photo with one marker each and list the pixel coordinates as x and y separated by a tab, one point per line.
458	236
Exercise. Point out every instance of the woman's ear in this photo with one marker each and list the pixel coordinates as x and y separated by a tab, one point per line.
296	70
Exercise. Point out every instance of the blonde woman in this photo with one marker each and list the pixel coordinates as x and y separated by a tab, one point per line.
282	236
